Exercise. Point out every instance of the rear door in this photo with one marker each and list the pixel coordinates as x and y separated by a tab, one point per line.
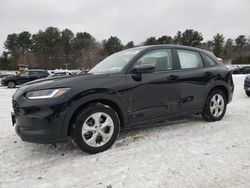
194	76
155	94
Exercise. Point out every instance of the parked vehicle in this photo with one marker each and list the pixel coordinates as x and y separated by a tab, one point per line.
3	76
130	88
24	77
239	69
247	85
246	69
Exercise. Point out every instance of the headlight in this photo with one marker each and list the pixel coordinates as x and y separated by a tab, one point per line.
47	93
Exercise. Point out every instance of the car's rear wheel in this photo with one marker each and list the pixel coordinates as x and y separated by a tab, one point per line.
248	93
215	106
11	84
96	128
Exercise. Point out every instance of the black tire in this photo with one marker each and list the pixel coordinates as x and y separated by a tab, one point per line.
248	93
83	116
11	84
207	114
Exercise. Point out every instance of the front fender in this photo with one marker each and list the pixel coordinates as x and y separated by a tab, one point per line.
85	97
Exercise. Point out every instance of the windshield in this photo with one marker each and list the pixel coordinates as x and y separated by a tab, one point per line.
114	63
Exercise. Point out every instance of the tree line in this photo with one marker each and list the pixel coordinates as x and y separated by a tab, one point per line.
53	48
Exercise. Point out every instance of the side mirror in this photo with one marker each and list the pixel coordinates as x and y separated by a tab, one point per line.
144	68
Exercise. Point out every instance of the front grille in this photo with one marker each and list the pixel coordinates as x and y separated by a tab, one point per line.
15	107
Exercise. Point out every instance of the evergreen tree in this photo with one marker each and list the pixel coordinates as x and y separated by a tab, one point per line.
87	52
191	38
112	45
241	41
11	44
67	37
228	49
83	40
177	38
218	44
24	41
47	48
164	39
4	63
151	41
53	48
129	45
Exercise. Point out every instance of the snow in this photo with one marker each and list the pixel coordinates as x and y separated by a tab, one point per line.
187	152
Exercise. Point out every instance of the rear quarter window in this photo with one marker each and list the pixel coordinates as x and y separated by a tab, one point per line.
189	59
208	60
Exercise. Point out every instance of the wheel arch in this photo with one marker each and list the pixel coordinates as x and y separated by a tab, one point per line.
221	86
105	99
223	89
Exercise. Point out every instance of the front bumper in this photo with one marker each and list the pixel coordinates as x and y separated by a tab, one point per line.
3	83
36	131
39	121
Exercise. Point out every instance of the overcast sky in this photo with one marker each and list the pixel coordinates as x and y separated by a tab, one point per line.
128	19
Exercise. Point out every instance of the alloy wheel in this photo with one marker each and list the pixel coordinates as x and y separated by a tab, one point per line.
217	105
97	129
11	84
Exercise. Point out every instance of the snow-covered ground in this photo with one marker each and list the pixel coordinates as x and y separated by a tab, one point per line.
187	152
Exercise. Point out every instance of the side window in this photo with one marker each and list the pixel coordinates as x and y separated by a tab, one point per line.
25	73
189	59
34	73
161	59
210	62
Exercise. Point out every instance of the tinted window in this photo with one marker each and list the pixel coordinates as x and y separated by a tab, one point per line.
189	59
161	59
209	60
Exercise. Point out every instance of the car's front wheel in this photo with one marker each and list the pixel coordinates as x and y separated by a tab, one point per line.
11	84
96	128
215	106
248	93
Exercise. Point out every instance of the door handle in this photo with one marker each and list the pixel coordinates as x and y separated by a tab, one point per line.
172	77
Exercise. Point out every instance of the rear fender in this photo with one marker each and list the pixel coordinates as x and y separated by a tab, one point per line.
214	85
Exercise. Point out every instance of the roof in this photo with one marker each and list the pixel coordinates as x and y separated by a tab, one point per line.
170	46
35	70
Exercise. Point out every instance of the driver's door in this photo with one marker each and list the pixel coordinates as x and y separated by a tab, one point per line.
153	94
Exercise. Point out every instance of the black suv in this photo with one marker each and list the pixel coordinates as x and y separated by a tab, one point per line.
130	88
24	77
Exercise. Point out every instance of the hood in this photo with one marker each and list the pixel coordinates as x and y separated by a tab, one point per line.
57	82
45	79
